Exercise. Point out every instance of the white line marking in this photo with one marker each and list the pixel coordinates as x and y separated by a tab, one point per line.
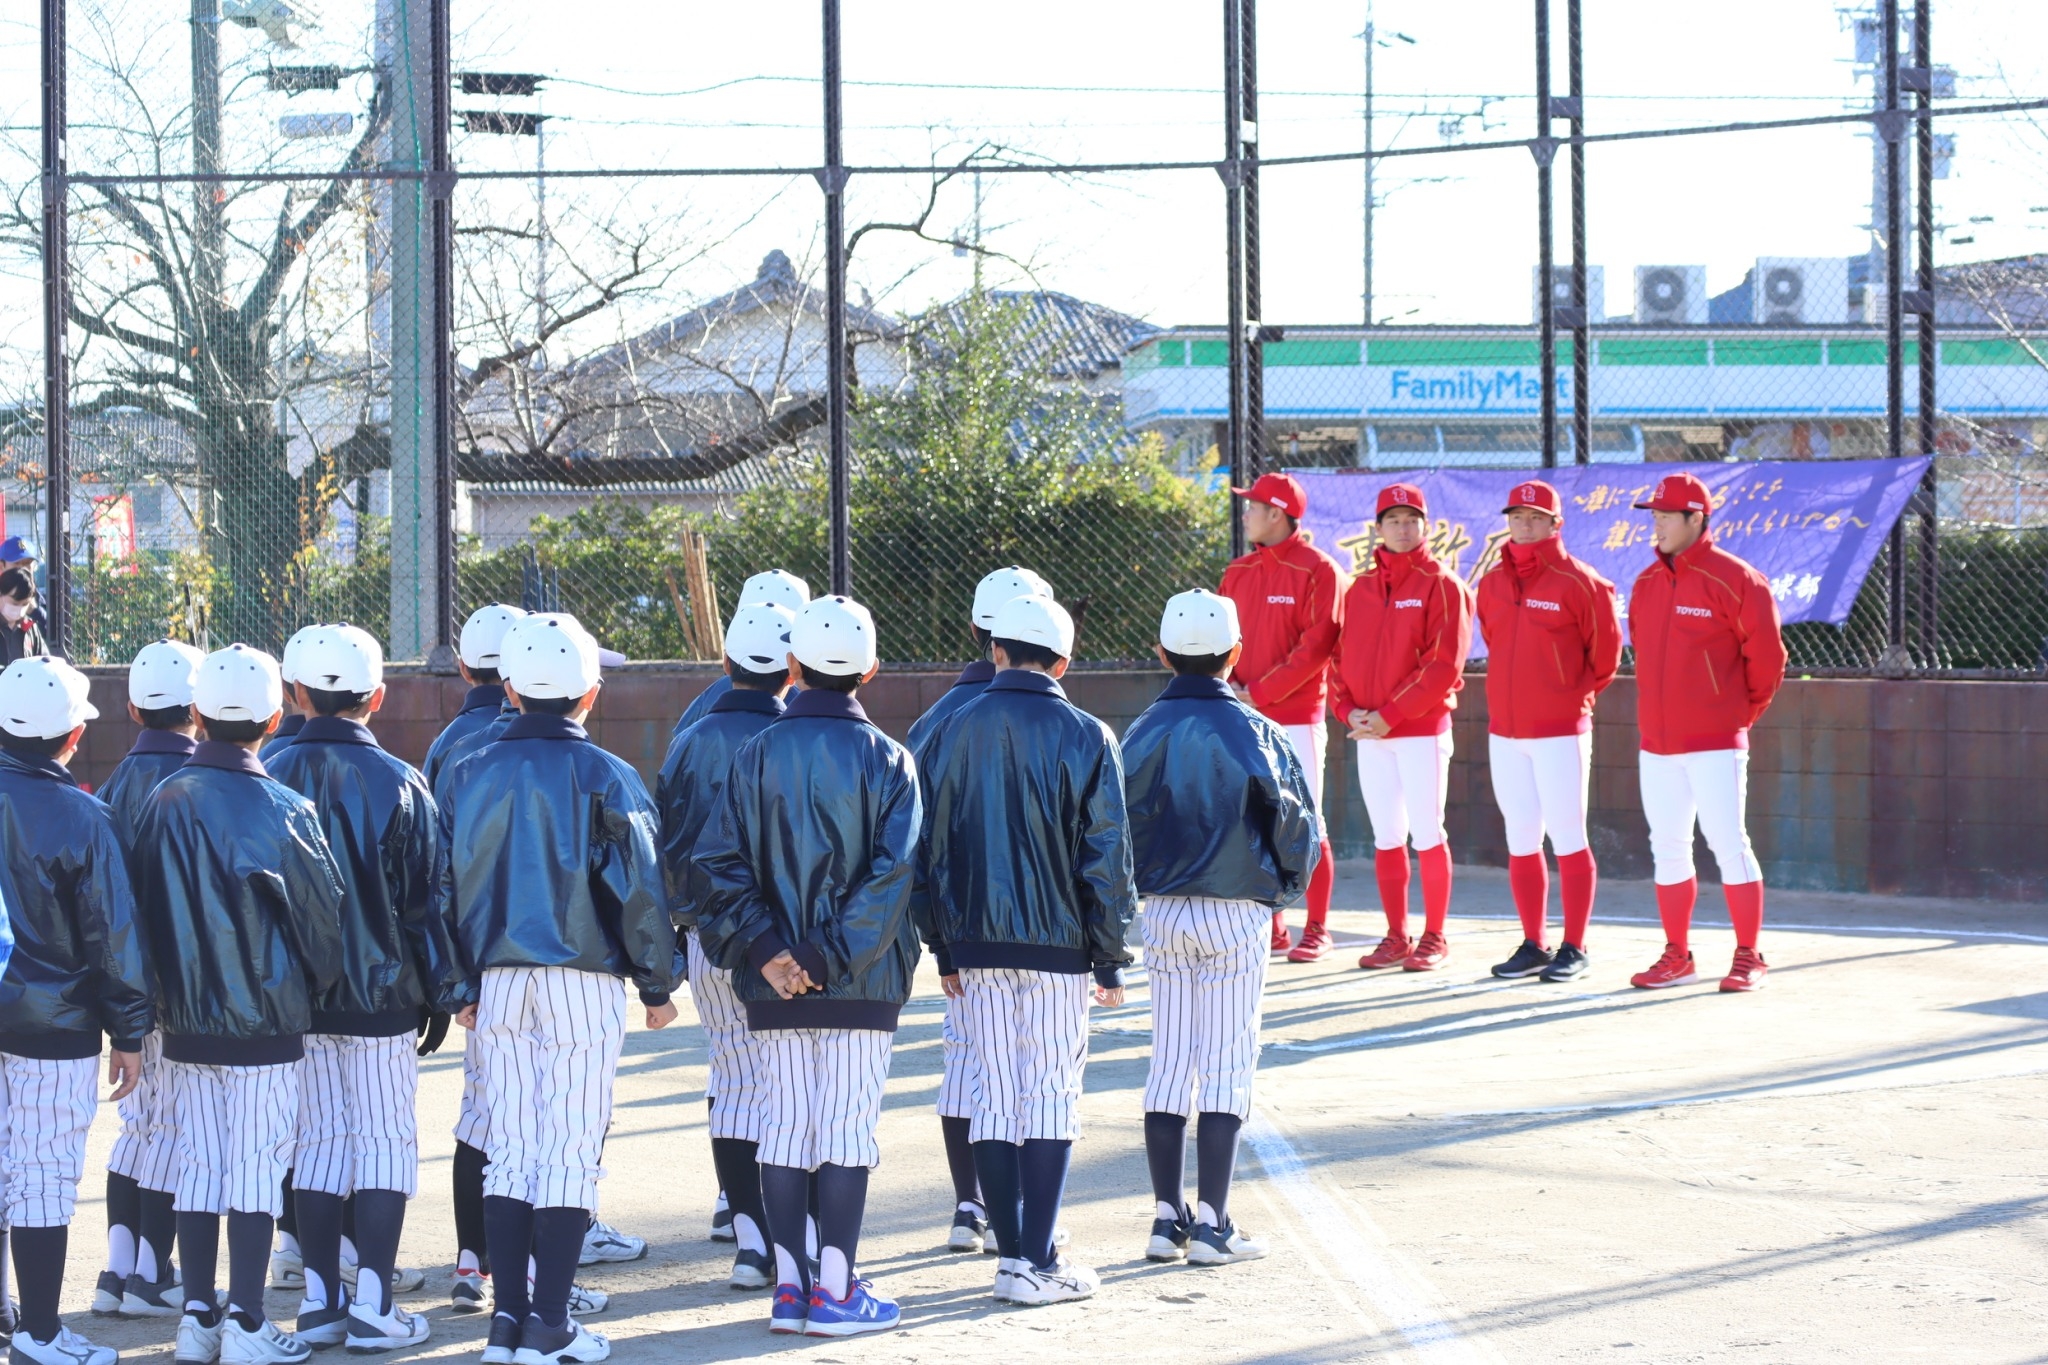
1896	930
1793	1090
1572	1005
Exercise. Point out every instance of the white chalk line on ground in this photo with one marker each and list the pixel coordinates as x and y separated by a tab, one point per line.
1394	1292
1790	1090
1770	926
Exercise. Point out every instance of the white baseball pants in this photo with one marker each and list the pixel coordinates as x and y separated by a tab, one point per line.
735	1083
473	1119
959	1078
358	1122
1712	788
1405	783
147	1149
822	1096
46	1108
235	1129
1207	962
1311	745
1542	786
1029	1035
550	1047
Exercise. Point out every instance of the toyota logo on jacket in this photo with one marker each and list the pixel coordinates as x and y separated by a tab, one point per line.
1553	641
1407	630
1288	606
1709	653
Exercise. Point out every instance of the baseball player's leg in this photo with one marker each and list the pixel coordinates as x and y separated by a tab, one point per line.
1563	768
468	1293
853	1069
508	1085
383	1089
1379	783
1172	958
1670	810
1513	768
1230	997
989	1018
261	1108
734	1088
581	1029
1053	1052
1720	784
49	1106
199	1119
1425	763
789	1128
124	1190
323	1175
1311	745
956	1118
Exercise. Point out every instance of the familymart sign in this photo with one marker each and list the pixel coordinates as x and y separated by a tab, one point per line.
1442	389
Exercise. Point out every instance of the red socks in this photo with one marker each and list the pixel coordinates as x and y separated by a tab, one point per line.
1674	907
1436	885
1529	880
1577	878
1390	865
1745	911
1321	883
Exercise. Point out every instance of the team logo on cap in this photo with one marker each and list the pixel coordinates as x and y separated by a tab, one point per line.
1399	495
1527	493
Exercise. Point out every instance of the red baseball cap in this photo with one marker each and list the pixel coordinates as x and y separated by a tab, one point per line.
1678	493
1537	494
1400	495
1283	491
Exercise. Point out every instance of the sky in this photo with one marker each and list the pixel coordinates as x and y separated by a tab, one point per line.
691	84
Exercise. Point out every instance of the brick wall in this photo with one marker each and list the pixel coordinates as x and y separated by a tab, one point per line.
1920	788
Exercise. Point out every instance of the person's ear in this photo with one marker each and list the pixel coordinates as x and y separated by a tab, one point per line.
589	701
1160	650
377	698
1059	667
134	713
869	676
726	662
998	656
1230	659
71	743
270	726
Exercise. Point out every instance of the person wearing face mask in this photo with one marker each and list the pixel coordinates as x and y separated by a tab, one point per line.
20	636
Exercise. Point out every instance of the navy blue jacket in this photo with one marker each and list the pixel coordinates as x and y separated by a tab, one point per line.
692	782
398	959
1026	855
701	704
77	964
1218	802
479	707
812	853
240	904
490	732
972	682
156	755
554	860
287	731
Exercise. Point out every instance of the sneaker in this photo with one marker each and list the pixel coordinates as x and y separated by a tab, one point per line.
1222	1246
1169	1239
1316	944
1748	973
791	1309
107	1294
604	1243
1006	1278
1392	952
1056	1283
199	1340
370	1333
1281	941
1529	959
141	1299
1431	951
585	1302
287	1269
66	1348
861	1311
269	1344
570	1344
721	1221
1570	963
471	1292
503	1343
1673	969
970	1231
752	1270
404	1279
322	1324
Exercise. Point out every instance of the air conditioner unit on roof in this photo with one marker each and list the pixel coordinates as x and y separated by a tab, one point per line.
1671	295
1561	291
1795	290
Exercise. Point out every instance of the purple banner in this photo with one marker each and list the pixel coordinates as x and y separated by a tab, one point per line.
1812	528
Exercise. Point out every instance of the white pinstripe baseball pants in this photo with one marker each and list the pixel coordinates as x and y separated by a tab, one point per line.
472	1120
147	1149
1207	963
822	1095
1029	1035
736	1064
959	1078
46	1108
358	1122
235	1126
550	1041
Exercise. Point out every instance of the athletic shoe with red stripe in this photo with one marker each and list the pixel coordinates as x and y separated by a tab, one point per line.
1281	941
1316	944
1430	953
1748	973
1393	951
1675	968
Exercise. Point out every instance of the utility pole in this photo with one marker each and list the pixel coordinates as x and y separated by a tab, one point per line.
1232	171
1254	305
56	334
1891	128
1544	148
1371	41
1923	305
833	180
1581	310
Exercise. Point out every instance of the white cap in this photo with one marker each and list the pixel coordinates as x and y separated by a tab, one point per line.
549	654
1199	623
239	683
1002	585
1036	621
162	675
288	664
778	586
342	659
758	638
834	635
484	632
42	698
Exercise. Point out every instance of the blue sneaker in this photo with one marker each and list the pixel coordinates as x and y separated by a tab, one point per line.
788	1314
862	1310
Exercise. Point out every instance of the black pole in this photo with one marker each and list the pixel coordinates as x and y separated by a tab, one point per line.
1254	312
443	207
1894	324
834	182
1232	171
1582	316
1923	138
56	352
1546	264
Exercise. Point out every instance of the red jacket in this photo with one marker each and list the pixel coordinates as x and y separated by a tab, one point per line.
1709	656
1407	630
1553	643
1288	606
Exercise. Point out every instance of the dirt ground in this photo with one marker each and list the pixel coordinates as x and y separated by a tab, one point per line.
1844	1167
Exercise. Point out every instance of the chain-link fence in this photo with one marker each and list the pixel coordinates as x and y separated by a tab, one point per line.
626	408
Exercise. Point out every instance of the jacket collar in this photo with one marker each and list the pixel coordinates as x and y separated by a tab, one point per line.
1286	549
1026	680
36	765
290	726
746	699
534	725
1417	560
1692	554
164	742
336	730
483	696
823	704
1189	687
214	753
980	671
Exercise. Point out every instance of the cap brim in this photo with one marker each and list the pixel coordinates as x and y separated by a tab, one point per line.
609	658
1526	507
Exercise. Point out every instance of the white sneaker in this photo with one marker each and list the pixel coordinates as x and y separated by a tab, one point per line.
1006	1275
321	1324
287	1268
721	1221
586	1302
66	1348
1226	1245
404	1279
574	1344
1058	1283
269	1344
371	1332
603	1242
198	1344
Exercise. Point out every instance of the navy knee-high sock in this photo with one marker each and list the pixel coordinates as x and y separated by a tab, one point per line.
1166	1154
508	1232
199	1244
124	1223
557	1242
248	1263
320	1244
469	1205
842	1202
1042	1165
1002	1191
960	1160
288	1221
786	1195
380	1222
39	1276
1216	1161
159	1225
738	1165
